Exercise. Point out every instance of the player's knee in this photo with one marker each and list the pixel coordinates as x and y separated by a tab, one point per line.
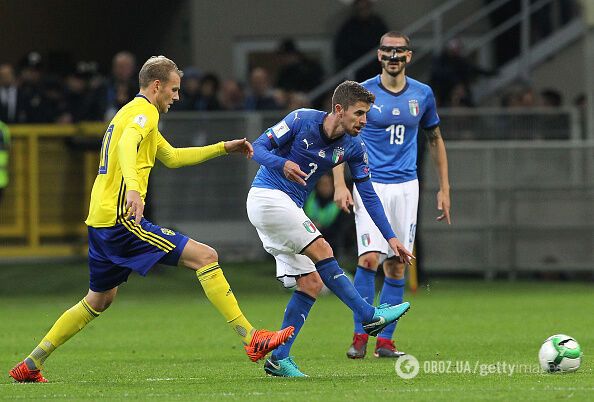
198	255
319	250
100	304
105	305
369	260
209	256
394	269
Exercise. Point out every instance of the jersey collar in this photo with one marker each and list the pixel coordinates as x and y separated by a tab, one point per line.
144	97
379	83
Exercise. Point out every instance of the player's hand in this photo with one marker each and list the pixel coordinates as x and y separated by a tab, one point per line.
401	251
293	172
443	204
343	198
242	146
134	205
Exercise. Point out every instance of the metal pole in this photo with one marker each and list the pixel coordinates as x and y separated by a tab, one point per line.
525	40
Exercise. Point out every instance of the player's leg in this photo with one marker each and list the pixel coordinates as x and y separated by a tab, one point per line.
375	319
402	199
309	285
364	282
392	292
204	260
69	324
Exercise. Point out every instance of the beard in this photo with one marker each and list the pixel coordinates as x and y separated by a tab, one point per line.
392	72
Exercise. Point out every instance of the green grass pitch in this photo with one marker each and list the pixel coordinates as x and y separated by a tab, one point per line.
162	340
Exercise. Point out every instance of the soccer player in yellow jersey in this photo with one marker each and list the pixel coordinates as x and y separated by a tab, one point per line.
122	241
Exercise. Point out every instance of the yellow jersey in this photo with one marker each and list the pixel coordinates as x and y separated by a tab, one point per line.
130	146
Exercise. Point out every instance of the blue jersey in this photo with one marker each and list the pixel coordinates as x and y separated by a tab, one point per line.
392	128
300	137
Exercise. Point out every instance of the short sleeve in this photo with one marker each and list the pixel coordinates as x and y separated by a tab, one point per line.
430	118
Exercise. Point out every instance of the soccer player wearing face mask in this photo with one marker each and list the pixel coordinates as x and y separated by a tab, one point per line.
401	106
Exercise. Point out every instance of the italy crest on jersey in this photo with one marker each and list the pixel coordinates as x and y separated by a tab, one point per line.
413	107
365	239
338	155
309	226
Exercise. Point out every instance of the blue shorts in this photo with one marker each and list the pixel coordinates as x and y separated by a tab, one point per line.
116	251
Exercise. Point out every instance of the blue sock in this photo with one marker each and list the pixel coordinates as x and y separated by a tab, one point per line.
295	315
392	293
335	279
365	284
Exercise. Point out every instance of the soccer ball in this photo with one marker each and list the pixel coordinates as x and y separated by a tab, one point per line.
560	353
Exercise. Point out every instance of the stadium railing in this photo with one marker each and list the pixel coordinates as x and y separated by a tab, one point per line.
522	190
46	201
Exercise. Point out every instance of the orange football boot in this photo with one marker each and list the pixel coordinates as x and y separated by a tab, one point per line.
264	341
22	373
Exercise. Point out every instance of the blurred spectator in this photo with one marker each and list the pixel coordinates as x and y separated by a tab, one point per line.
324	213
360	33
4	153
261	94
554	125
452	75
296	72
231	97
208	93
190	90
83	102
521	96
34	103
551	97
297	100
122	85
11	108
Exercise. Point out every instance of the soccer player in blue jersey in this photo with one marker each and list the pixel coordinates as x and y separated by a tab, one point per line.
402	105
293	155
121	240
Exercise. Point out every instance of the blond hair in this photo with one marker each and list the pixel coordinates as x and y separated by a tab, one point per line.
157	68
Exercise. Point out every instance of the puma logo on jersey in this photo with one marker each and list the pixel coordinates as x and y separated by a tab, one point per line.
379	108
307	144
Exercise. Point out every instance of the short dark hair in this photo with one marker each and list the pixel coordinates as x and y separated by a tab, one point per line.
350	92
395	34
157	68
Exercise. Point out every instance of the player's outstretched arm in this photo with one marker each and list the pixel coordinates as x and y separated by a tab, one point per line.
241	146
178	157
342	196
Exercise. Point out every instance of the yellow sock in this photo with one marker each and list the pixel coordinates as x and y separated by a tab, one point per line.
69	323
219	293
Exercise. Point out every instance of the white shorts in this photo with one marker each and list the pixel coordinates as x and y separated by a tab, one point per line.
285	231
400	202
